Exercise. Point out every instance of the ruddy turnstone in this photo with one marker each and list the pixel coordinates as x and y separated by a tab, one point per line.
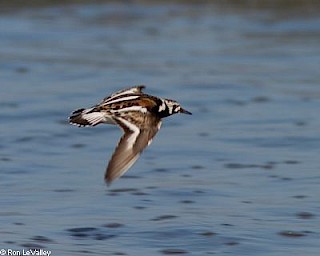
139	116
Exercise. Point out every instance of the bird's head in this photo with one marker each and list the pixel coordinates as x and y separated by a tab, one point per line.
174	107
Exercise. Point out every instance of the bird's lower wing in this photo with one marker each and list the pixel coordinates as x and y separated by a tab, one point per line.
129	148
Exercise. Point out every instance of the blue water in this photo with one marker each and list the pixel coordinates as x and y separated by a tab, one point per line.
238	177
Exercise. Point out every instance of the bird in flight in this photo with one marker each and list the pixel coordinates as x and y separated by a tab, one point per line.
138	115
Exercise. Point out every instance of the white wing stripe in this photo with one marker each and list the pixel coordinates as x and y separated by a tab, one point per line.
122	99
129	91
135	132
132	108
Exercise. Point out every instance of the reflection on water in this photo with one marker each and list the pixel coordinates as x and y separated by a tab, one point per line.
239	177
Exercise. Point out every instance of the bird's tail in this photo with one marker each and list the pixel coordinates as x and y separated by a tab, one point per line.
85	117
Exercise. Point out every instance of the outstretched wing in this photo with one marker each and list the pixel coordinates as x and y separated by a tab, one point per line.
131	144
99	113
